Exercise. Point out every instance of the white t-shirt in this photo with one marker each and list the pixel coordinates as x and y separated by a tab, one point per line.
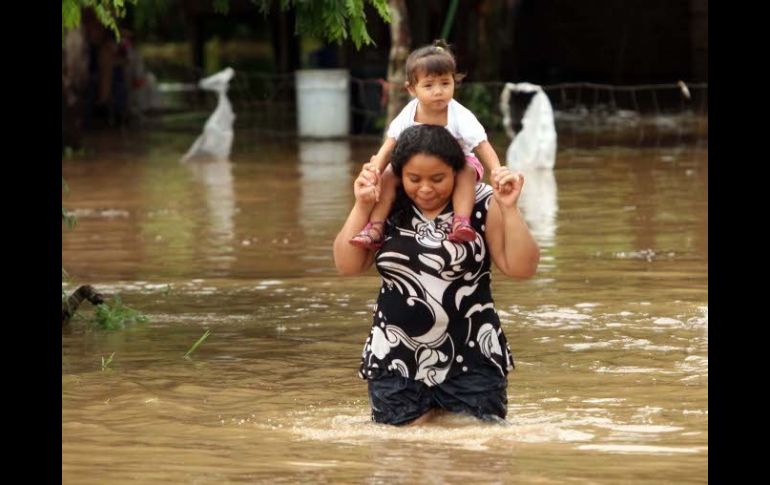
461	123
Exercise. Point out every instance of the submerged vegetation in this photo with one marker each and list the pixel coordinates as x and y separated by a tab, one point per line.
108	316
116	316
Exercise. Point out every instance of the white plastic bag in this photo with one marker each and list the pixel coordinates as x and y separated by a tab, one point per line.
217	138
535	145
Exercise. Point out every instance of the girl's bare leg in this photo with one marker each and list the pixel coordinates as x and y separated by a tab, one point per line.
371	236
463	199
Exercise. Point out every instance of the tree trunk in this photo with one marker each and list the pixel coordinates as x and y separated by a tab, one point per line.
497	39
400	43
285	42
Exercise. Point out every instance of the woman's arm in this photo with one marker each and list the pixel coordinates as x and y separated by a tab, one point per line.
511	245
348	259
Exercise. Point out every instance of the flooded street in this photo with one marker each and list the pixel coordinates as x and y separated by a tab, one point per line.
610	337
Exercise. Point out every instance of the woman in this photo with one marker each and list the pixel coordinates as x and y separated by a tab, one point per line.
436	341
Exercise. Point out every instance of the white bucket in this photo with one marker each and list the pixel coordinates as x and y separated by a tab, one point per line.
323	103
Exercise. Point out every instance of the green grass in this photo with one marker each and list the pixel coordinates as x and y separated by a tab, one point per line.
196	344
106	363
116	316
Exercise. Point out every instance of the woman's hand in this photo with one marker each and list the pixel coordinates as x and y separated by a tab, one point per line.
366	188
506	187
511	244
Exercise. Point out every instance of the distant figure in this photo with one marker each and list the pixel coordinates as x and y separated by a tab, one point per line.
217	138
535	145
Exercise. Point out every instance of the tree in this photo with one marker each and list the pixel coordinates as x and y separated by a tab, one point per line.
400	43
109	12
332	20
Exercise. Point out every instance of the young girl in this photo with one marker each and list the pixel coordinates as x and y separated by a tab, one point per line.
431	75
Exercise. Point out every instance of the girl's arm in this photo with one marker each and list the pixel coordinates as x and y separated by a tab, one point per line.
348	259
381	159
487	156
511	245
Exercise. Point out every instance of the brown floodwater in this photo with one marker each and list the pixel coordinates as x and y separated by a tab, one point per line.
610	337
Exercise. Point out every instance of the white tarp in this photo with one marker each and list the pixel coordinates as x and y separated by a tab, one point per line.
217	138
535	145
533	153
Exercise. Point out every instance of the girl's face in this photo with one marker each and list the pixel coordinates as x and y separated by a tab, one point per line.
428	181
434	91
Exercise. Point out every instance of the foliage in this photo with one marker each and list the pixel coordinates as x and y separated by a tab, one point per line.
116	316
332	20
107	11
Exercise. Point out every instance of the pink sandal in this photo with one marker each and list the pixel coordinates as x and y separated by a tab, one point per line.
365	240
462	231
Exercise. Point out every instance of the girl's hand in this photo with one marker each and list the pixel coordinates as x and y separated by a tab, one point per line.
506	187
366	188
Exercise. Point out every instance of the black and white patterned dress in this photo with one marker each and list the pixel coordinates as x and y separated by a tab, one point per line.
435	318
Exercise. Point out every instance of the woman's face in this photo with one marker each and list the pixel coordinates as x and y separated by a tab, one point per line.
428	181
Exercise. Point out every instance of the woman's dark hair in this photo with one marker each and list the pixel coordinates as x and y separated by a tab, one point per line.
428	140
435	59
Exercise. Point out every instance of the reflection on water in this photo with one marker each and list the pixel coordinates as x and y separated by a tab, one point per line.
324	167
539	204
217	180
610	337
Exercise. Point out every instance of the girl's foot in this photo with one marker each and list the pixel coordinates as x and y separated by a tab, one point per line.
370	236
462	231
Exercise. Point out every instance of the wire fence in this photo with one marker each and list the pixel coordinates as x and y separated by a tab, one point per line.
266	103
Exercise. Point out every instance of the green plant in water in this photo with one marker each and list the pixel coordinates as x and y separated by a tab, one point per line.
68	219
70	153
106	363
67	216
65	277
116	316
196	344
